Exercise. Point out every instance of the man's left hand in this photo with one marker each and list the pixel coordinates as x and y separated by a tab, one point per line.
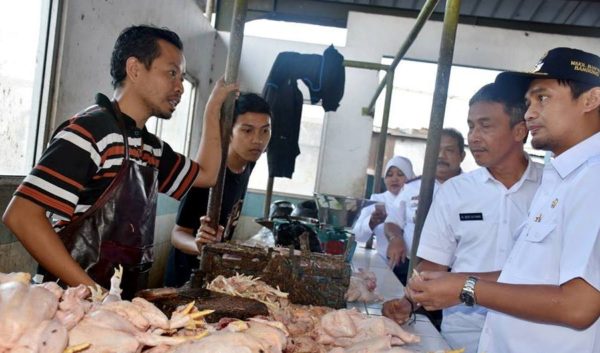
436	290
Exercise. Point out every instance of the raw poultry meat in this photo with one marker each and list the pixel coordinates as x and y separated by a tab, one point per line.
73	305
255	336
374	345
301	321
45	319
362	287
50	336
129	311
155	317
249	287
348	328
274	338
223	342
371	345
22	309
22	277
108	331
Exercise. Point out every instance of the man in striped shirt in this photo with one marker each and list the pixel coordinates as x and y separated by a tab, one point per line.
87	151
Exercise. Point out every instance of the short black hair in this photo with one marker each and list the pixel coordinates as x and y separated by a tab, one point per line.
140	42
577	88
457	136
250	103
513	104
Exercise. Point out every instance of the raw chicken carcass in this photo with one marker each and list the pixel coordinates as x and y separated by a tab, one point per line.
54	288
109	332
273	338
371	345
129	311
347	328
362	287
49	336
223	342
73	305
374	345
339	324
22	309
22	277
304	344
155	317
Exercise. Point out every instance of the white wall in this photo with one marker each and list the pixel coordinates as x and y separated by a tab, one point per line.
370	37
90	28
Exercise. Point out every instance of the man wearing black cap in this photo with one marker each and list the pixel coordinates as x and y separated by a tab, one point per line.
547	297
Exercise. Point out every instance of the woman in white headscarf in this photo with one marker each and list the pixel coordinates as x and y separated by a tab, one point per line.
397	171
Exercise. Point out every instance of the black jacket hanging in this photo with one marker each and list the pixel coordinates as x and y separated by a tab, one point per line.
324	76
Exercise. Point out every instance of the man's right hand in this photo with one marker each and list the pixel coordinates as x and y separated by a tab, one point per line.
398	310
28	222
206	234
220	92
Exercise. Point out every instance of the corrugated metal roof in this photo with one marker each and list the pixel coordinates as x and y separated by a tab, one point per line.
563	12
553	16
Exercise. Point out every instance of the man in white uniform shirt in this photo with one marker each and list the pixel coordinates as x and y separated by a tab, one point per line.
400	222
547	297
472	216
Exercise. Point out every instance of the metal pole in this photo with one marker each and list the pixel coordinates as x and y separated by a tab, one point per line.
210	9
366	65
231	73
423	16
436	121
389	77
268	196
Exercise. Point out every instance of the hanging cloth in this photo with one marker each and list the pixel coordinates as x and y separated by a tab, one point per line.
324	75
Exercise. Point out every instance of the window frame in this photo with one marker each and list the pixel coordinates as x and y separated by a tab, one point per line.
40	129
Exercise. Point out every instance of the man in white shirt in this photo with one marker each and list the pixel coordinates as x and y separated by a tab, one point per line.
400	222
472	216
547	297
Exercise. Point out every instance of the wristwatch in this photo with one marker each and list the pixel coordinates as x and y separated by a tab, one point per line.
467	295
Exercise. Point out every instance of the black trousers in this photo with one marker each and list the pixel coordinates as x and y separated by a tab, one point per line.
401	271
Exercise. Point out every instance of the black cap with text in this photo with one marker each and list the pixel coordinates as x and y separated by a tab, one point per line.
558	63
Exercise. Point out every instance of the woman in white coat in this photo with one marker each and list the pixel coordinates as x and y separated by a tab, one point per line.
397	171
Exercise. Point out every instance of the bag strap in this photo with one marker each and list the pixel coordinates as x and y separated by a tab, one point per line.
118	179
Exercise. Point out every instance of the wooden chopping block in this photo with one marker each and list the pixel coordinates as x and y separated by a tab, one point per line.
168	299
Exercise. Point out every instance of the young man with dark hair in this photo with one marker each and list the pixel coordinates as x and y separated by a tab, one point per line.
101	188
250	136
547	296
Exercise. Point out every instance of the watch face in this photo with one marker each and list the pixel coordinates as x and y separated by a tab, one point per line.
467	298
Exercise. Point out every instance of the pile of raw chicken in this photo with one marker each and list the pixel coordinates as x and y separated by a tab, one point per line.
46	318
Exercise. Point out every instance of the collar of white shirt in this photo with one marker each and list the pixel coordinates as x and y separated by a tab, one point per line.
530	174
575	156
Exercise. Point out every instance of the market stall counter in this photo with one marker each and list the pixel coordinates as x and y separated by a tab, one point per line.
389	287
